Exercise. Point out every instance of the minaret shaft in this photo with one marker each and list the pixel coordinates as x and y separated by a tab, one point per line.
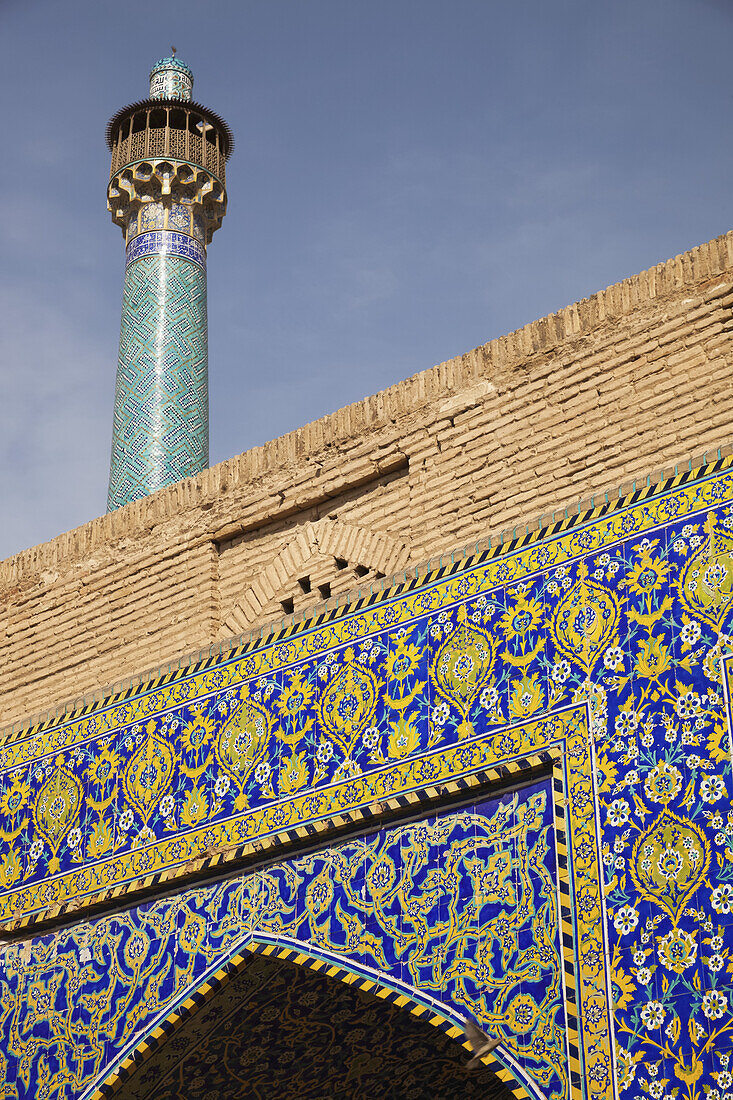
167	195
161	418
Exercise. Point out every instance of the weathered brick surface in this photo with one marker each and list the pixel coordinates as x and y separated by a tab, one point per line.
635	379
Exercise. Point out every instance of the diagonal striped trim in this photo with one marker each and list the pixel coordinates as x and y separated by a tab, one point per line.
273	949
431	571
567	932
281	845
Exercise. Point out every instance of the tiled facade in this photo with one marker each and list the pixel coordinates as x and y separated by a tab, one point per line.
495	788
583	915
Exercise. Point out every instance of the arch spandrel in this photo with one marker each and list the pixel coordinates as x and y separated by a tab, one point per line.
422	915
282	1029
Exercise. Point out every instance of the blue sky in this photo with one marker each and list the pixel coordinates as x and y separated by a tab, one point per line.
411	179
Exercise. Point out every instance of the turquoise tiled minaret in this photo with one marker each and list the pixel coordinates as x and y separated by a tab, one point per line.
167	194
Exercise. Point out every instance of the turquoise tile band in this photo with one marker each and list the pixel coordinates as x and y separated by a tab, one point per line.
161	415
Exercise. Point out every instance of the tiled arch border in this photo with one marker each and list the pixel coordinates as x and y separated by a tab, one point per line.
302	954
562	744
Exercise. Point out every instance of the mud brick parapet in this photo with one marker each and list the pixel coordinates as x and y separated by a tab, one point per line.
632	381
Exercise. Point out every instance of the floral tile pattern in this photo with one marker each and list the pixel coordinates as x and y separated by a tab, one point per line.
624	619
460	907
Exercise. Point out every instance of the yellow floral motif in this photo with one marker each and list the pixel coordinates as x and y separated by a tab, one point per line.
403	661
526	615
348	704
103	774
11	868
56	809
101	839
607	771
295	697
104	767
242	742
403	740
149	773
689	1074
136	949
648	575
195	807
718	746
196	734
653	659
319	894
526	696
622	985
462	666
14	798
293	773
706	584
663	782
585	620
522	1012
193	933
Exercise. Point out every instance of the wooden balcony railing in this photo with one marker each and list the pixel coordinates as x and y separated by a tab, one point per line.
136	139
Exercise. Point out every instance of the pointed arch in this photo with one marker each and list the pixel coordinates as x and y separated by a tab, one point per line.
510	1080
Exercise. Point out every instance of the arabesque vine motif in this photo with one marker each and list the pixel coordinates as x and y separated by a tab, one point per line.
627	617
446	902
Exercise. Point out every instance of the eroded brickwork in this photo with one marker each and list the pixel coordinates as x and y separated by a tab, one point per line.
635	379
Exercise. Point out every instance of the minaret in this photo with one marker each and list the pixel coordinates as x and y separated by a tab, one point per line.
167	194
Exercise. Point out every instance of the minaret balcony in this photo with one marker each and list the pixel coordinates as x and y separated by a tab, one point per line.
166	129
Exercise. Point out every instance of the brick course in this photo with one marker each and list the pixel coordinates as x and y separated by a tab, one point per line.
635	379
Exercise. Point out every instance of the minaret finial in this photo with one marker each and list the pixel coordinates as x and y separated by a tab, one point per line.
170	78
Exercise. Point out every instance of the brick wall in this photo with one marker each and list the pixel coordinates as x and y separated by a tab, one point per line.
635	379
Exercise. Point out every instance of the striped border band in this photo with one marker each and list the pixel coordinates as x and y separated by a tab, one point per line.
274	632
